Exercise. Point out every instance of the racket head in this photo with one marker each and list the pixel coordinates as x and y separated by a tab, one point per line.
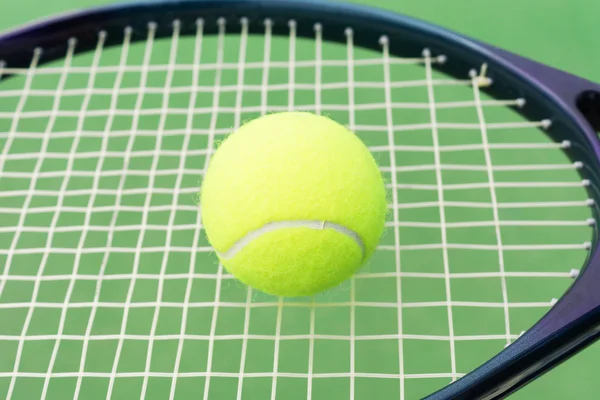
571	103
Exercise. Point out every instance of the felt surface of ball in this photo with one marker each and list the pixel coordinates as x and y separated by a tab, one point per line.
293	203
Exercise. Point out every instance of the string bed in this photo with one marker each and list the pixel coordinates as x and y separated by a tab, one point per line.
109	289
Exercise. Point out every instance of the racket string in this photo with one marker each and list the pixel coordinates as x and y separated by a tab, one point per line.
384	42
482	80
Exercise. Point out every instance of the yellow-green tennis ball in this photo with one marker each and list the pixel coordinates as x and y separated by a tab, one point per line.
293	203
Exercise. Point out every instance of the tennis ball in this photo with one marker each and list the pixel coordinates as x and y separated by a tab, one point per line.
293	203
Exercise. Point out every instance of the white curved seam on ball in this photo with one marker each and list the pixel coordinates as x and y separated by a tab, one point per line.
273	226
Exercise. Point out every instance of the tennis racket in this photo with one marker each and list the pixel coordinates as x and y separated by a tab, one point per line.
487	275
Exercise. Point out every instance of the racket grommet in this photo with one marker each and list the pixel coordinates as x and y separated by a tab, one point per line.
128	30
349	32
102	35
292	23
578	164
590	202
520	102
591	221
318	27
546	123
244	21
72	42
442	58
565	144
426	53
268	22
384	40
176	23
152	25
574	273
200	22
221	21
585	182
587	245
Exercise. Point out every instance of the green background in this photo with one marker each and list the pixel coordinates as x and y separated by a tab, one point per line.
559	33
